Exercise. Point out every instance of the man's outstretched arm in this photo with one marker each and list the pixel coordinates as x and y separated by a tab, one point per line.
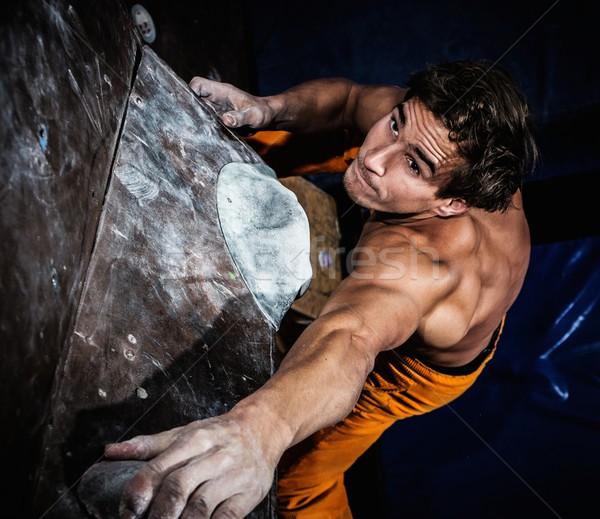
317	105
223	467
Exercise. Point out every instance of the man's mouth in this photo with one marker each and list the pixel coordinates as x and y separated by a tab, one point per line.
364	174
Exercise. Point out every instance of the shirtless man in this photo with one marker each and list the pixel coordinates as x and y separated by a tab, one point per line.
441	260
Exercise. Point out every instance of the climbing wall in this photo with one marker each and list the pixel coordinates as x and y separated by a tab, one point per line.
121	310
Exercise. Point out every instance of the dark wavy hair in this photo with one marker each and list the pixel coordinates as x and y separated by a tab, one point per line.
489	120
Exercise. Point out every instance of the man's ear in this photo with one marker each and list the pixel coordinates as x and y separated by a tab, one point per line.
451	207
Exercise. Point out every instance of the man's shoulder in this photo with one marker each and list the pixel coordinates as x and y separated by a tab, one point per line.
446	238
402	259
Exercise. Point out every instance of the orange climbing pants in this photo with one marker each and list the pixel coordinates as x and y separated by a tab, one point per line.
311	485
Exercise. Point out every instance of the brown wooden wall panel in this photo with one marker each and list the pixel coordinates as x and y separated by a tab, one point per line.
65	73
75	357
167	331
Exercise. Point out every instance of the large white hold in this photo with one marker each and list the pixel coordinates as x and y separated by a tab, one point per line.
267	234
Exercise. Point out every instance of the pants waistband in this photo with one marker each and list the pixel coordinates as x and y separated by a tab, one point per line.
471	366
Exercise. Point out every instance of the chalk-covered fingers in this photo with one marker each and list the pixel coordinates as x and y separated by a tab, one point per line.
189	491
207	469
231	497
142	447
237	108
161	481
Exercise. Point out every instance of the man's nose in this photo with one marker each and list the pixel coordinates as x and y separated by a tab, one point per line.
377	160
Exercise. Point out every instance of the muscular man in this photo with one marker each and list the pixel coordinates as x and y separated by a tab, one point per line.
441	260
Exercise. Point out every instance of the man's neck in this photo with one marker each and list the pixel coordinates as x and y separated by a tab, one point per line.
400	218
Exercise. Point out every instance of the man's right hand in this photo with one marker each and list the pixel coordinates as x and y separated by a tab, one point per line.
238	109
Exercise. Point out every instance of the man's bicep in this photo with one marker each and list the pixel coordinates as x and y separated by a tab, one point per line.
378	313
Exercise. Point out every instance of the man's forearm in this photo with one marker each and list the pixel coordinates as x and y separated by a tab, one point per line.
316	105
317	385
331	104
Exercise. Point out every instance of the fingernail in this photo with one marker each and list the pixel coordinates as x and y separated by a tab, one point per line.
229	120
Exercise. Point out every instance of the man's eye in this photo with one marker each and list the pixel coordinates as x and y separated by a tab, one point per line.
394	126
413	165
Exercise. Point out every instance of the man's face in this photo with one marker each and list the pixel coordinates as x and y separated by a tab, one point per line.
402	157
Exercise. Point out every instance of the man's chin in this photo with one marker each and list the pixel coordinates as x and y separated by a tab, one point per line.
353	193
